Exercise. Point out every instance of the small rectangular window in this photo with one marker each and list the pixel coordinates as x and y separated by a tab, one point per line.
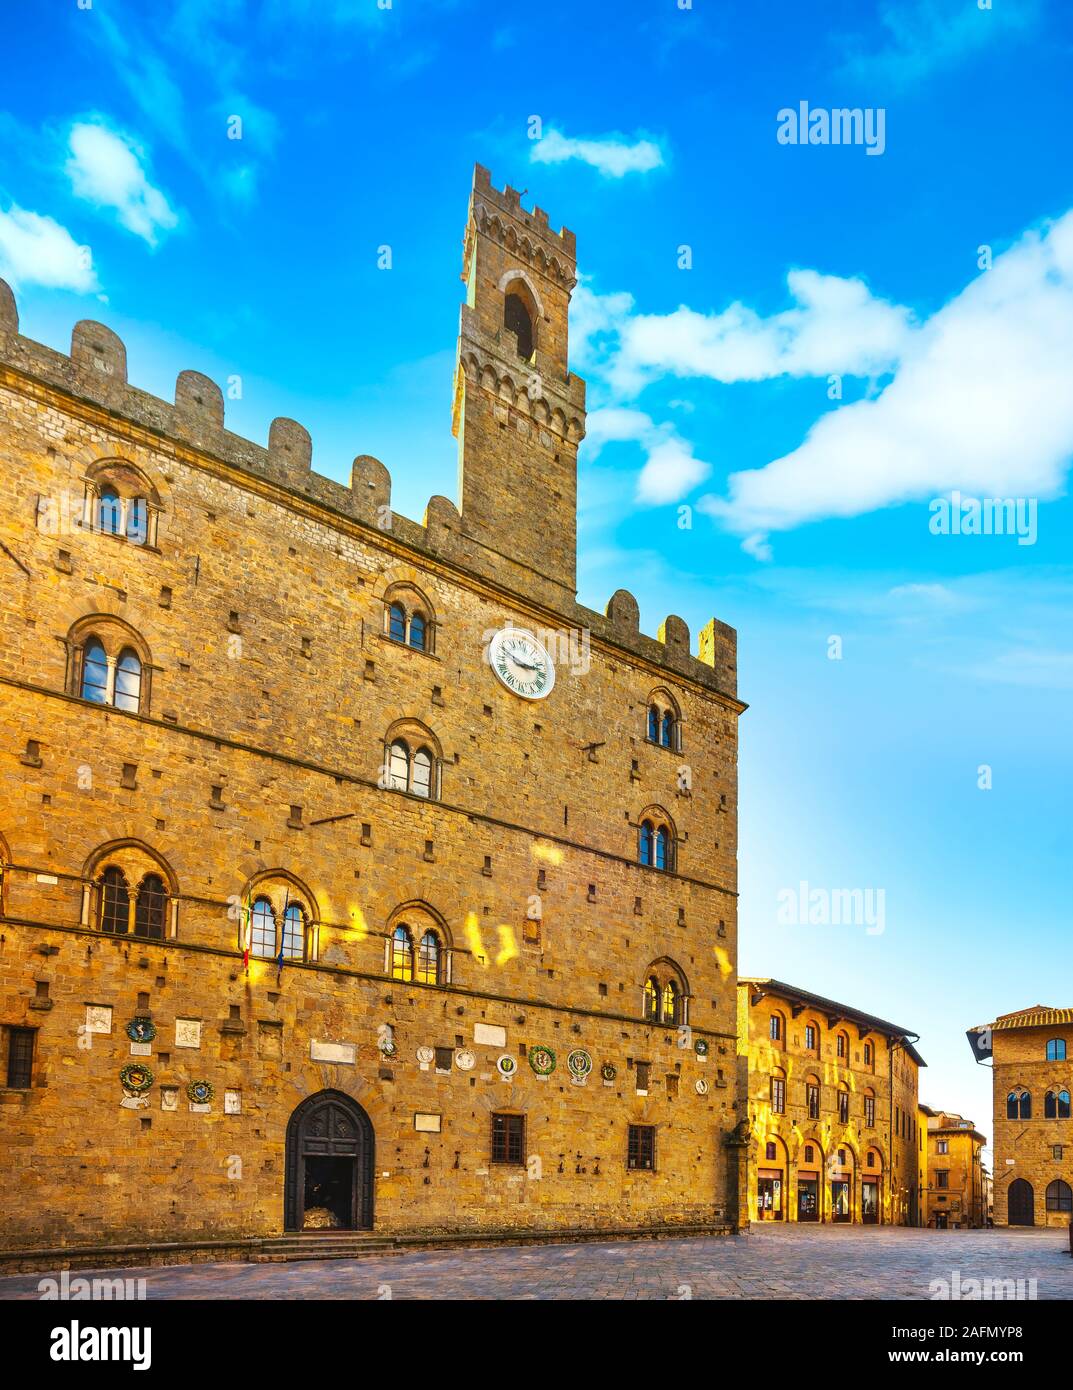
942	1177
444	1058
778	1095
813	1095
20	1057
508	1139
641	1153
869	1110
843	1107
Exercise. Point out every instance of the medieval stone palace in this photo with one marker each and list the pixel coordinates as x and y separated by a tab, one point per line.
354	876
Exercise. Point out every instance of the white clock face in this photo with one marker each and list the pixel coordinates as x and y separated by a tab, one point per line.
521	663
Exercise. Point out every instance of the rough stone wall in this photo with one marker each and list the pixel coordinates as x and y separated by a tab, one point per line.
1025	1148
259	749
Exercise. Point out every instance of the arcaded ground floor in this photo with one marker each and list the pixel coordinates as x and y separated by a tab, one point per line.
790	1261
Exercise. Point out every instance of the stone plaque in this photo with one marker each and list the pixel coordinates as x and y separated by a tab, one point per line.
200	1109
343	1053
232	1102
98	1018
134	1102
491	1035
141	1049
427	1124
169	1097
187	1032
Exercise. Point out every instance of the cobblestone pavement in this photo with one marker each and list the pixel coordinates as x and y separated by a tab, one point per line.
771	1262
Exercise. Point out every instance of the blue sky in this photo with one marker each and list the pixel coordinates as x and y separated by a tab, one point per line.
122	198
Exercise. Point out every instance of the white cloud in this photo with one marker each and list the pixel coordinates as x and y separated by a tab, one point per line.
837	326
758	547
106	169
670	471
36	250
926	36
980	402
613	155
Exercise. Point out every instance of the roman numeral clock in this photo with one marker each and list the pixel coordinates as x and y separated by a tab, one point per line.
521	663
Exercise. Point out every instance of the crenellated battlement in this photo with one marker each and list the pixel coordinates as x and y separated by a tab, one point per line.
95	375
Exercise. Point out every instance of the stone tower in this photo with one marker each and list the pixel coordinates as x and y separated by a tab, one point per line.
519	414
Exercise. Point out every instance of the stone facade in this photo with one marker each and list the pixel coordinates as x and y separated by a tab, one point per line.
1032	1147
253	746
832	1108
953	1193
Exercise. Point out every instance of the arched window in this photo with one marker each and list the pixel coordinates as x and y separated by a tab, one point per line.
137	520
775	1028
1059	1196
663	845
1019	1105
115	902
263	930
109	511
402	954
121	501
108	664
670	1002
652	999
812	1037
410	773
843	1105
398	764
408	619
1056	1105
663	720
869	1054
294	933
842	1046
150	908
1056	1050
94	672
428	959
517	319
421	773
128	681
647	850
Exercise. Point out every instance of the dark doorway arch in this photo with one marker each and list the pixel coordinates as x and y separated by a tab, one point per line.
329	1163
1020	1202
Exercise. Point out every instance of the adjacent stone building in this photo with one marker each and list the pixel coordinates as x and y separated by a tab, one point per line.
354	876
1030	1053
832	1095
953	1190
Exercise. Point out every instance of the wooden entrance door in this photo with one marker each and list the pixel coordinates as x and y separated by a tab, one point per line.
329	1163
870	1201
1021	1203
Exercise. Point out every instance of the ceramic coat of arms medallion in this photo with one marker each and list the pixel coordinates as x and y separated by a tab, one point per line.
542	1060
579	1064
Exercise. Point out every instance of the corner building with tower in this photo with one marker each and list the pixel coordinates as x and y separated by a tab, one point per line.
354	877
